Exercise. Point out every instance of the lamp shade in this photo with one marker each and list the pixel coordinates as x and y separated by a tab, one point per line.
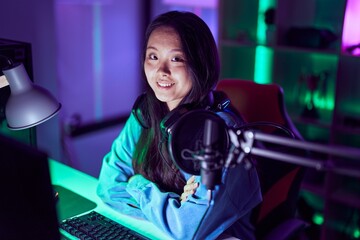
28	104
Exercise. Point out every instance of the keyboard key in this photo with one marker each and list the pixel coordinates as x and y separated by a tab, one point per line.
96	226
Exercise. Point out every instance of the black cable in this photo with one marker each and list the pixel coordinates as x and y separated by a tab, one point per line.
268	124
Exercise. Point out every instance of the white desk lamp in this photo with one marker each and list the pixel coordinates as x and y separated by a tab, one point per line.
28	104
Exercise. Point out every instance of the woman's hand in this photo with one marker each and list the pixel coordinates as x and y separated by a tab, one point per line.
189	188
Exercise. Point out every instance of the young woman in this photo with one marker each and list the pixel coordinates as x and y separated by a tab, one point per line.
138	177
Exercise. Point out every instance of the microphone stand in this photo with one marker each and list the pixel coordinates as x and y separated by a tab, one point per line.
243	145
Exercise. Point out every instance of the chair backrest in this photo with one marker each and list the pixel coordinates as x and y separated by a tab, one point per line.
280	181
258	102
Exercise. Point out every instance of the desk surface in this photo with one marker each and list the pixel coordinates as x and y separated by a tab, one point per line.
85	186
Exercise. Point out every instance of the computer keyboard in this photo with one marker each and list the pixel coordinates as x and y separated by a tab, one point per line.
93	225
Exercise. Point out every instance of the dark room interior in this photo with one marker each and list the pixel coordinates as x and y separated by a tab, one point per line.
87	53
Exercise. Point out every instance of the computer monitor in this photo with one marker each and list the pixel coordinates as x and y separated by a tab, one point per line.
27	202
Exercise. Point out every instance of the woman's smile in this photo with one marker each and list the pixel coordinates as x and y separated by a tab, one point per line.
165	85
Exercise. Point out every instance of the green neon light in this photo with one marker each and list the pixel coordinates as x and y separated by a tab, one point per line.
320	102
261	26
263	55
319	64
263	64
356	233
318	219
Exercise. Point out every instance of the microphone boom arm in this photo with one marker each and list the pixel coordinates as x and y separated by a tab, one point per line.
243	145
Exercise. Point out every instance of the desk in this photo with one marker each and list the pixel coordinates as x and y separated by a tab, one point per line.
85	186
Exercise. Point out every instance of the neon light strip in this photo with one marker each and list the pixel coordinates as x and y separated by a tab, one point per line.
263	64
261	25
263	56
97	60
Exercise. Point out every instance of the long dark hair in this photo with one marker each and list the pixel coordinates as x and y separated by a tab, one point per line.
151	158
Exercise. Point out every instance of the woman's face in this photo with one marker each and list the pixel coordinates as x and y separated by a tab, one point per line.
165	67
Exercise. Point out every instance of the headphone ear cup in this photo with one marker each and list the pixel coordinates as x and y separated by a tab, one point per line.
169	121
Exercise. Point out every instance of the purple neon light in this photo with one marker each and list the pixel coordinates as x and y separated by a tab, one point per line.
351	30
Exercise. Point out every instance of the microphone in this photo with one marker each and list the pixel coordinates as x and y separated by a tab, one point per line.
212	162
198	144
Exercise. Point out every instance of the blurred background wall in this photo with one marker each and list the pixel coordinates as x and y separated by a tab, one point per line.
87	53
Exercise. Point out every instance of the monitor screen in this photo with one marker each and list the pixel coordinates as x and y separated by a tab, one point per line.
27	202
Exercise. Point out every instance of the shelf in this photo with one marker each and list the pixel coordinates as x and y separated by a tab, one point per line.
341	196
236	43
284	48
307	121
347	130
346	198
329	78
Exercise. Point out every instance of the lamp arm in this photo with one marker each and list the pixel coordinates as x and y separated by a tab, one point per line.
243	145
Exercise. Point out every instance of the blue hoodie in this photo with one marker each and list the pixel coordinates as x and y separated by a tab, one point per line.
228	211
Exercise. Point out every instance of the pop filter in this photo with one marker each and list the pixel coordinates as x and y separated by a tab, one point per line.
194	146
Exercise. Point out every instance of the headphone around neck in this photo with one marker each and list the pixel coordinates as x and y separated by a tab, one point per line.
211	103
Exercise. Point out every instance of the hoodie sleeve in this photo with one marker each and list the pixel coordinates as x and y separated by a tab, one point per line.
164	209
117	169
197	218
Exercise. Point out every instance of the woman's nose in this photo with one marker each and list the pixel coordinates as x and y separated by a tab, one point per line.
163	69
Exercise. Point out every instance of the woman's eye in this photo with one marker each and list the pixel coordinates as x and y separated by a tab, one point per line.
152	57
177	59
